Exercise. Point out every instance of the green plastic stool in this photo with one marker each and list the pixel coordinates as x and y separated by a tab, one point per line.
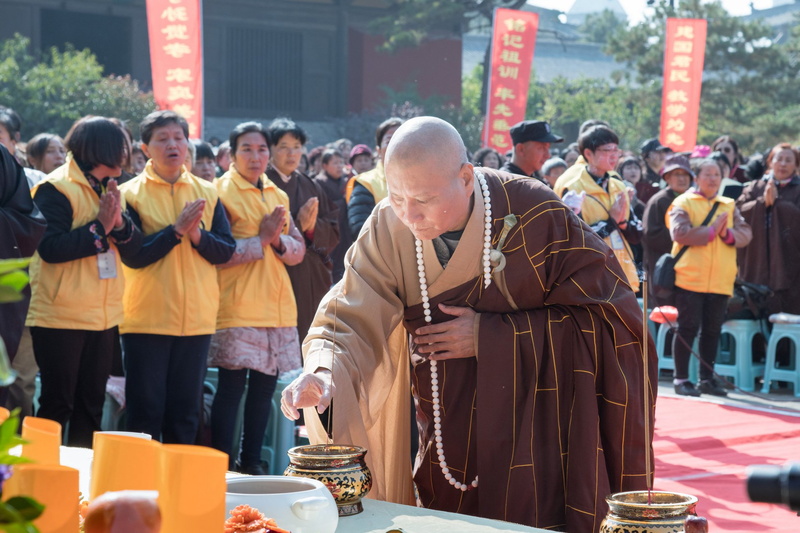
772	372
737	362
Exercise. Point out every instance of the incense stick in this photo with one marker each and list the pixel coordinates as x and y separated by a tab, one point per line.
329	429
646	382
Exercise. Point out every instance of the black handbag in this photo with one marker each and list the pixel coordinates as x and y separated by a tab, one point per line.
664	271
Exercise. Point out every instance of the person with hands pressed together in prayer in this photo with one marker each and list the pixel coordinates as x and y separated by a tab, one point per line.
771	206
171	293
525	348
256	336
596	193
315	216
705	274
76	277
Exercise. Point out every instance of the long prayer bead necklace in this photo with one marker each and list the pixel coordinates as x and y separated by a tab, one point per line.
426	306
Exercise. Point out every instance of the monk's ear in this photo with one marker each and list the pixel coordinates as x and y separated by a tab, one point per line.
467	176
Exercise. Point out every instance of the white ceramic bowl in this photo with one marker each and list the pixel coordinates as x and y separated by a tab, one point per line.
300	505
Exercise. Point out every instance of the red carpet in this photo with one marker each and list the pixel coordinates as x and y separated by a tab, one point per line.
702	448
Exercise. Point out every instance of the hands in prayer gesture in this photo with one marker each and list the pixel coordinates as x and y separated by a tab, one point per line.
188	222
271	225
307	216
110	214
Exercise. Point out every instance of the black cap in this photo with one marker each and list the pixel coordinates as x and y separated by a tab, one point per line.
651	145
533	130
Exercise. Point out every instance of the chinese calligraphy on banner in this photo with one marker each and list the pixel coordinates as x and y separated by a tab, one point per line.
683	80
513	41
176	58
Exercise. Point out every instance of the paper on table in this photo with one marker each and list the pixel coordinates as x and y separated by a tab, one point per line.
123	462
55	487
44	440
191	492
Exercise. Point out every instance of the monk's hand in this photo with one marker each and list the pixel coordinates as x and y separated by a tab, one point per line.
310	389
453	339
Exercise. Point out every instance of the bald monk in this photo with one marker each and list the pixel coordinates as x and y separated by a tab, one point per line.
509	321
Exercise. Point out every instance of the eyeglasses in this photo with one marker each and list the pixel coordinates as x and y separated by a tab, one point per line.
727	149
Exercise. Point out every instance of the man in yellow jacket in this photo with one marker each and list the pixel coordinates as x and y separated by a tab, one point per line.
596	193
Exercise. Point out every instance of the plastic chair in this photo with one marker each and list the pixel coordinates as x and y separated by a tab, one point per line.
737	362
773	372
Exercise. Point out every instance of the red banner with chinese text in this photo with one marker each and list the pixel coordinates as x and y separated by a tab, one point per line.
176	58
513	42
683	80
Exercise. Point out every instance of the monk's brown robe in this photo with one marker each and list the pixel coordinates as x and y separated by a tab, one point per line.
772	257
311	278
550	414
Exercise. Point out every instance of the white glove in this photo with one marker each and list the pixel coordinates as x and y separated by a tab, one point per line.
311	389
574	200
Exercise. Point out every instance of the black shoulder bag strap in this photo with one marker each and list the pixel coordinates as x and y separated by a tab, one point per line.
703	223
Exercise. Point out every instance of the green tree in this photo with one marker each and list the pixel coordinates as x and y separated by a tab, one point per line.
51	90
749	82
599	27
409	22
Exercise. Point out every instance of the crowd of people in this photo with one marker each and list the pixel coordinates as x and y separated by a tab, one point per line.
655	202
160	257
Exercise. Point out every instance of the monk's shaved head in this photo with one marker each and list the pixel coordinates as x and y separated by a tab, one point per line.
429	179
426	141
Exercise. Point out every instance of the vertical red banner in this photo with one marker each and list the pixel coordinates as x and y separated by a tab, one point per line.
176	58
683	80
513	43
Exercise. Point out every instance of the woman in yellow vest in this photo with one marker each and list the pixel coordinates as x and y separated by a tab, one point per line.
257	319
705	273
171	293
76	277
601	199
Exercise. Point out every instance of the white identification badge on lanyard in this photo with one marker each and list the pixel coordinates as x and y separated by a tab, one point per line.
107	265
616	240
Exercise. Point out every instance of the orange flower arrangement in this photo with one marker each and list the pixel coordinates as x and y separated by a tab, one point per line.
246	519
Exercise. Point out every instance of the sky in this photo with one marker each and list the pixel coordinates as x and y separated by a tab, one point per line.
636	8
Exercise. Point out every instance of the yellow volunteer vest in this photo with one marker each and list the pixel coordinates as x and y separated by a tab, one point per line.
375	182
178	294
71	295
710	268
257	293
597	208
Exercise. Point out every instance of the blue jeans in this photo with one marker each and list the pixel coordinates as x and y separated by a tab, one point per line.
698	311
257	408
164	384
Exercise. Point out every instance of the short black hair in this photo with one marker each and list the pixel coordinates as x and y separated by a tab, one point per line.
592	122
329	154
595	137
10	120
384	127
284	126
37	146
246	127
96	141
159	119
202	150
